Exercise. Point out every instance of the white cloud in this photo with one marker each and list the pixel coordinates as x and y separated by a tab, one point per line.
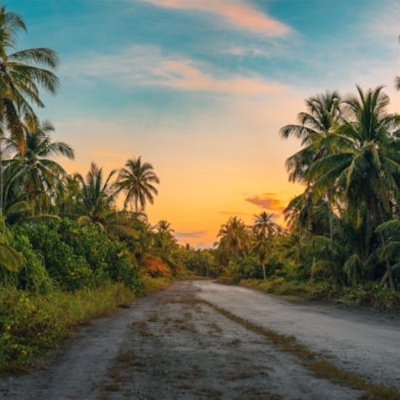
149	66
237	13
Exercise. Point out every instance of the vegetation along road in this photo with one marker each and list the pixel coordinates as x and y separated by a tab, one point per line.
201	340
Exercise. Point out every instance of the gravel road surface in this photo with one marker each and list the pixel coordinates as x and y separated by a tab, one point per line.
175	345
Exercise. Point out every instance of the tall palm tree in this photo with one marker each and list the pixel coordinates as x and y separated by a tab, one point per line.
315	126
33	170
22	73
366	166
137	180
316	129
264	225
365	169
264	228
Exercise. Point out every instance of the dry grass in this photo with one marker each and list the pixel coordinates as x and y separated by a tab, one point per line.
314	362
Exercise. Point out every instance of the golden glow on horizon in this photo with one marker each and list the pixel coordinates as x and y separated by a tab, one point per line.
219	165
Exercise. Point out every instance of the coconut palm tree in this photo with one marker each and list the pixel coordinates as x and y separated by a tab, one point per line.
365	169
97	194
234	238
316	129
22	73
68	199
264	225
34	171
164	226
137	181
264	228
315	126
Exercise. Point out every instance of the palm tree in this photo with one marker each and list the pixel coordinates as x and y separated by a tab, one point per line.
33	170
264	225
316	129
365	169
97	194
315	126
68	199
234	238
164	226
21	74
264	228
136	181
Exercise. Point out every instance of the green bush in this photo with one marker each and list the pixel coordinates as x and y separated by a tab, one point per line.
33	323
76	257
33	276
69	270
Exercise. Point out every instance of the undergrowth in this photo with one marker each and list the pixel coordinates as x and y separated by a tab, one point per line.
33	323
150	284
370	295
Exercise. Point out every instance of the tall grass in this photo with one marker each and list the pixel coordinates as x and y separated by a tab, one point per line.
33	323
150	284
371	295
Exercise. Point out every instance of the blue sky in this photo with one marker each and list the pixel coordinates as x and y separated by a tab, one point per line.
200	88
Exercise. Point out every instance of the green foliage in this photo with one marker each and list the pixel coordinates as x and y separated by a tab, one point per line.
33	276
200	262
30	324
76	257
10	259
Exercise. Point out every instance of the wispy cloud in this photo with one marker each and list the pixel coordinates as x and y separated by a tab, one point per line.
148	66
239	14
267	201
190	235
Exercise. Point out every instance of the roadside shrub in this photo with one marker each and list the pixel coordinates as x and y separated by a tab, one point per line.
69	270
155	267
33	276
33	323
76	257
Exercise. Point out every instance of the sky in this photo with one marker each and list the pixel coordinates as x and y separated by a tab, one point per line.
200	89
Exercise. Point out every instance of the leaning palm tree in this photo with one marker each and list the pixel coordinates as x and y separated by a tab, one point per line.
137	180
22	73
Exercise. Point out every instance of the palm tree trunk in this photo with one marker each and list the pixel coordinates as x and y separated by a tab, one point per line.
330	218
312	269
391	280
264	273
389	270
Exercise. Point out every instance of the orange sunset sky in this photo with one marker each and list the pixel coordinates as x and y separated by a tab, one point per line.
200	89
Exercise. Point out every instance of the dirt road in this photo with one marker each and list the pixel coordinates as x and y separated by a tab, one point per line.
192	341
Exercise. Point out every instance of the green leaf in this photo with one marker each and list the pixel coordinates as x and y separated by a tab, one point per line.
11	259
